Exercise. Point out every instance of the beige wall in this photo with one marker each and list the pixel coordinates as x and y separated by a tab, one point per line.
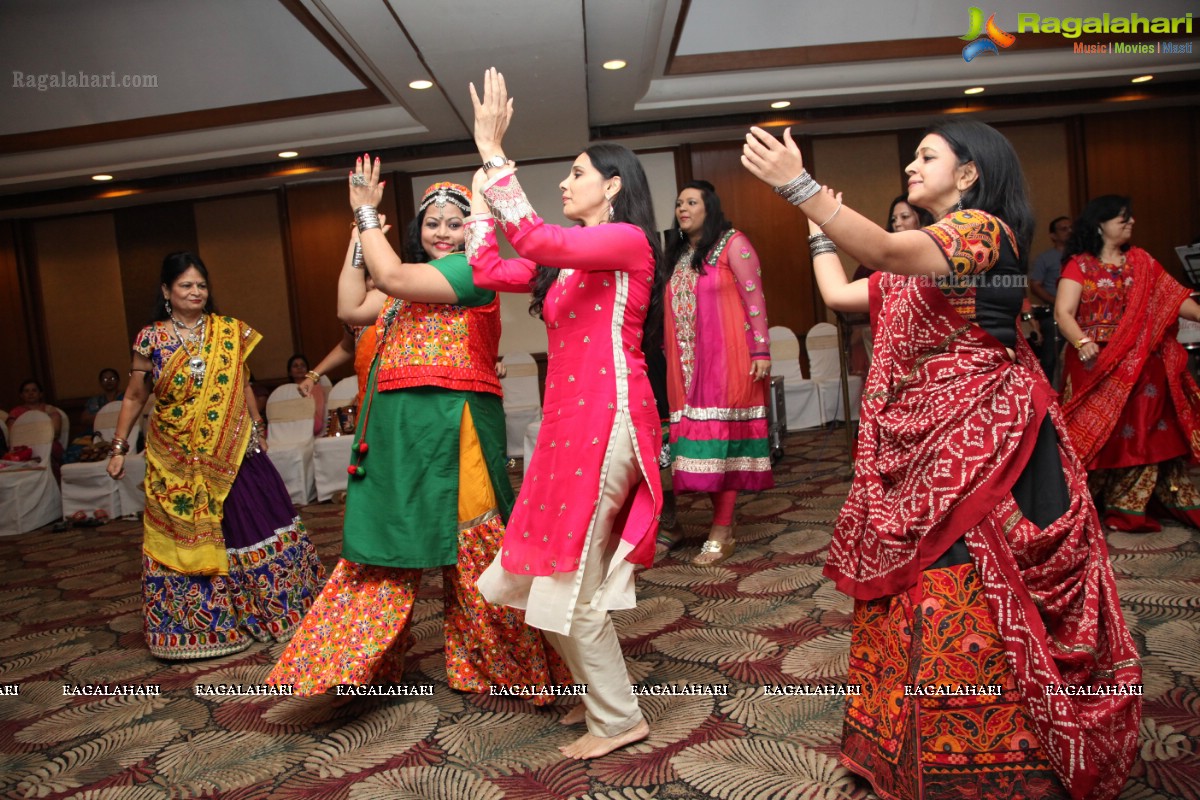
242	246
80	275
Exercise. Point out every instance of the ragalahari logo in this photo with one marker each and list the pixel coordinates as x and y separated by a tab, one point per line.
991	32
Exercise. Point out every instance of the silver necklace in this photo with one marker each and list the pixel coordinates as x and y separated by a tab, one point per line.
196	364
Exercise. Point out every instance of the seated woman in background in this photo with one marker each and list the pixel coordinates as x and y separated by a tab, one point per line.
299	373
110	390
34	399
902	216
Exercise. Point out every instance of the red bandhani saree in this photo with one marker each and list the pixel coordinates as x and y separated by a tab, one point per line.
1146	331
961	666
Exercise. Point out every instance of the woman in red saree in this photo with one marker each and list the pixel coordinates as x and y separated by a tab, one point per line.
987	638
1120	310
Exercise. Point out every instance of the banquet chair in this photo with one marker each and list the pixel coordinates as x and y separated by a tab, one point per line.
522	403
825	368
290	441
64	433
131	486
800	396
85	485
29	494
331	453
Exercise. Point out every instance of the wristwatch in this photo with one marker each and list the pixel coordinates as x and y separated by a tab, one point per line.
495	162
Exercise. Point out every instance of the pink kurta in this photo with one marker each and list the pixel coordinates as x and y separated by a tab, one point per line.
596	374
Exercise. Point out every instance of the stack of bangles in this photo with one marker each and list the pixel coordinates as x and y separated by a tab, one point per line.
312	375
366	217
260	426
799	189
819	244
120	446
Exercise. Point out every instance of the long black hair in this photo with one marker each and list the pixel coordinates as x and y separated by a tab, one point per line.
923	215
173	266
1085	232
632	204
1000	189
715	224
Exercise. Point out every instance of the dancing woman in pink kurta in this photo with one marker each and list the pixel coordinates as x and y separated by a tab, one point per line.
586	512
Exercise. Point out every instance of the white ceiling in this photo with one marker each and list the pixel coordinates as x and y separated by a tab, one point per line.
239	80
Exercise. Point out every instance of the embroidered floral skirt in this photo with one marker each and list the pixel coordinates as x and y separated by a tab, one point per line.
939	715
359	629
274	575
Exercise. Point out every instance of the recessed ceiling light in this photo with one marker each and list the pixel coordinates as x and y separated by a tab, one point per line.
288	154
973	90
616	63
421	85
1142	79
781	104
102	177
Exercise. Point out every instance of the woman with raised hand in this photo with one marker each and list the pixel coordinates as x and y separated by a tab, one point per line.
431	489
969	541
585	516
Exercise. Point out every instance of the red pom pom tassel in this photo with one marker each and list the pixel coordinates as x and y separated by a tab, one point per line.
362	446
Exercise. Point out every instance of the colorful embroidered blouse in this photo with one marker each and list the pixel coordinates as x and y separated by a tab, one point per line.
594	314
435	344
1102	302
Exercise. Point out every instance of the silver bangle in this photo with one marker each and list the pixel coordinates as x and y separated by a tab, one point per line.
836	211
366	217
357	261
819	244
799	189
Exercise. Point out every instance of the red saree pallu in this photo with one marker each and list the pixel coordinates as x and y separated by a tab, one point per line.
1145	335
949	424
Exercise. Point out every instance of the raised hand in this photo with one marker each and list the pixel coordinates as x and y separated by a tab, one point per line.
365	188
492	114
771	161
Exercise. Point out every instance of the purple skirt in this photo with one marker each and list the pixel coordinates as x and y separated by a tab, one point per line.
274	575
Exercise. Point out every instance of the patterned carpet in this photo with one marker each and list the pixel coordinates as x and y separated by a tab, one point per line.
70	614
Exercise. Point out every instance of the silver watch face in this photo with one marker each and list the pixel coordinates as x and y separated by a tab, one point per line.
495	162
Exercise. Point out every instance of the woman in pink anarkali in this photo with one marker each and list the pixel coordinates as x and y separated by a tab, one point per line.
586	512
718	363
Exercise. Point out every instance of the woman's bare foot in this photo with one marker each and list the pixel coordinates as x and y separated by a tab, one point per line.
574	716
589	746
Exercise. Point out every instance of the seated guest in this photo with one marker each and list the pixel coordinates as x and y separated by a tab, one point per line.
110	390
299	373
34	399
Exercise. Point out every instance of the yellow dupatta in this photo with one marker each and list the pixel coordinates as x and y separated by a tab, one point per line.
197	438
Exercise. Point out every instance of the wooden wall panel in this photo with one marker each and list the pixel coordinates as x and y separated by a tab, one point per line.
777	231
83	308
1151	157
241	244
146	235
19	360
1045	159
318	220
863	168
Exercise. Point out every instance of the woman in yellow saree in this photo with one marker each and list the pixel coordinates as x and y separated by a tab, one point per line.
225	559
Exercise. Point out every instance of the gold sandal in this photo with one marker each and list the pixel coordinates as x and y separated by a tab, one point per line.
725	548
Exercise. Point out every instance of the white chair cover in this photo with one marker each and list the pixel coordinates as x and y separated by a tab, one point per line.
29	494
522	404
64	434
331	454
290	441
132	486
86	486
530	442
825	366
800	396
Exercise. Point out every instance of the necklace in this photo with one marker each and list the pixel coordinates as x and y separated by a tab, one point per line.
195	335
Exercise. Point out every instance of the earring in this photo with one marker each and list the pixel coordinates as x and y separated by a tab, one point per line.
611	213
958	205
169	311
681	236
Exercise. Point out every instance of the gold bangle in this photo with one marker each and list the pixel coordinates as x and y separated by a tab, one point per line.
1085	340
313	375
